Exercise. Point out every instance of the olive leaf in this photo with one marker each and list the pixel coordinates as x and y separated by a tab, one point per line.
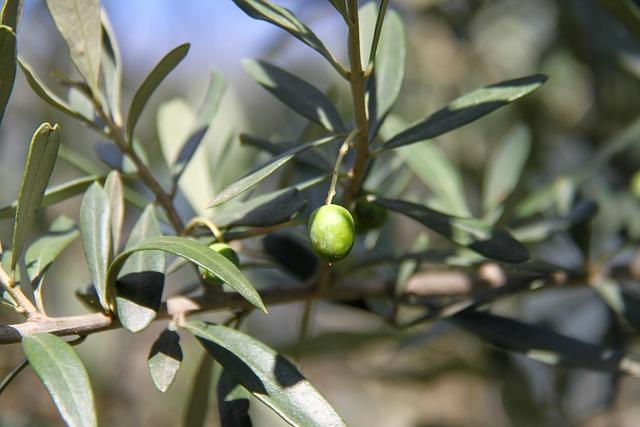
164	359
114	189
200	255
64	376
44	251
233	402
267	375
538	343
490	242
37	171
7	65
308	158
151	83
141	280
466	109
263	172
40	89
197	406
299	95
111	68
505	167
79	25
95	227
285	19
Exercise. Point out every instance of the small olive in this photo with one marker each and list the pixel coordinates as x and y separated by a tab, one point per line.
332	232
369	216
224	250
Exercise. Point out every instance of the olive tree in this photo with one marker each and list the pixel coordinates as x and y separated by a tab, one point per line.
346	187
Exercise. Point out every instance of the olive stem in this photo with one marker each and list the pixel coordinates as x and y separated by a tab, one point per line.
13	289
357	83
344	149
201	221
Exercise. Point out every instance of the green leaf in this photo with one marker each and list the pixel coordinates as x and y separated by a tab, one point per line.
626	12
164	359
203	120
429	162
199	254
269	376
115	192
111	68
233	402
263	211
466	109
64	376
95	226
195	414
7	66
141	280
37	171
263	172
151	83
537	342
79	23
389	71
367	15
11	12
285	19
309	158
299	95
490	242
44	251
55	194
40	89
505	168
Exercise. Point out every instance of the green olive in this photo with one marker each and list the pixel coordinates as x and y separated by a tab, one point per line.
369	216
332	232
224	250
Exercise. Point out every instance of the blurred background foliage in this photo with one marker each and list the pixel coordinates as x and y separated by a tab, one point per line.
374	376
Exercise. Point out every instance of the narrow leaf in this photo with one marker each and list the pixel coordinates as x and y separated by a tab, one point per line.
625	303
340	7
111	68
141	280
269	376
309	158
37	171
64	376
11	12
466	109
40	89
537	342
429	162
44	251
7	65
198	254
115	192
285	19
389	70
490	242
55	194
205	116
505	167
233	402
299	95
95	226
264	211
164	359
263	172
151	83
79	23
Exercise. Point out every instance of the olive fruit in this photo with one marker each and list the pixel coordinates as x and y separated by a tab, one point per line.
224	250
331	231
369	216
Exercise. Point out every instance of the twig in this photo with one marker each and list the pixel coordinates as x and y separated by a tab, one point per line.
13	289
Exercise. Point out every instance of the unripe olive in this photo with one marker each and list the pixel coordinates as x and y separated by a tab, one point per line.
331	231
224	250
368	216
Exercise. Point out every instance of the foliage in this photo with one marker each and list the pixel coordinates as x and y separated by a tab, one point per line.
369	157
